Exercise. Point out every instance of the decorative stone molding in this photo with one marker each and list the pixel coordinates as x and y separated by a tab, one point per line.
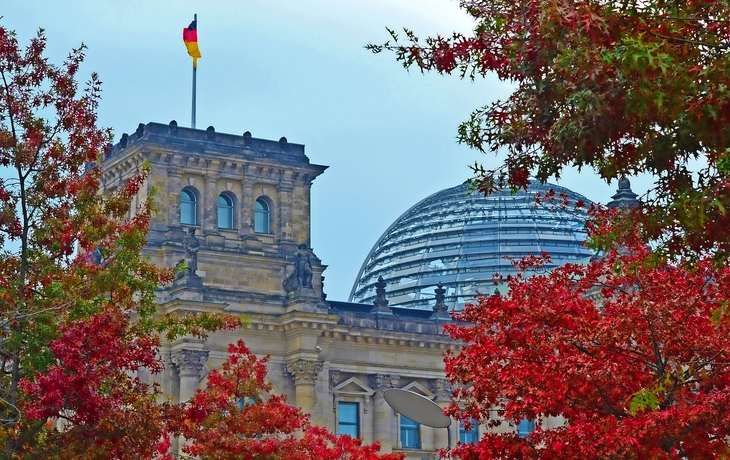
382	382
334	377
443	389
304	372
189	361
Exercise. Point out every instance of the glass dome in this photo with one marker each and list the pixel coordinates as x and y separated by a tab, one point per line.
461	239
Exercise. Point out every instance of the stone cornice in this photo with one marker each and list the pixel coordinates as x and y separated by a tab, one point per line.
194	150
305	319
391	338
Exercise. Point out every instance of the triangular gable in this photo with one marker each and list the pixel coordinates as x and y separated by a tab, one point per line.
353	386
420	389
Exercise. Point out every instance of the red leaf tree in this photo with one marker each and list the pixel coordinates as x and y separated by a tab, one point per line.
72	276
621	87
634	357
236	418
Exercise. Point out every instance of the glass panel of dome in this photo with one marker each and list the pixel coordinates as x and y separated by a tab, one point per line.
428	279
452	224
406	271
405	281
436	263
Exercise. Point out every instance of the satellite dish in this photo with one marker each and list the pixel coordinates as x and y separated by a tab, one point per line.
417	407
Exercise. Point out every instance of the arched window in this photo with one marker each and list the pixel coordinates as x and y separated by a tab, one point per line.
261	217
188	208
225	212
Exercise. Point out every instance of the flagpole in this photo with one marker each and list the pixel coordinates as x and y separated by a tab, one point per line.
195	71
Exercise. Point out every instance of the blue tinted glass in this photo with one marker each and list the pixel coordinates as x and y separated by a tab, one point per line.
470	436
410	433
347	419
461	240
225	212
261	217
188	208
525	427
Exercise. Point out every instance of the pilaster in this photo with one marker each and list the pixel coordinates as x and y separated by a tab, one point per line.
210	206
285	231
443	389
245	229
304	372
382	412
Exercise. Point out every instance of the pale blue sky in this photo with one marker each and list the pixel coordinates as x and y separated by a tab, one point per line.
294	68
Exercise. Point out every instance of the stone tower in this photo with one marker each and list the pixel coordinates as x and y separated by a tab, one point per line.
246	200
235	210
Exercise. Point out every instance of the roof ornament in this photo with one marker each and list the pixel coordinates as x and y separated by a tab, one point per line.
380	304
624	197
440	310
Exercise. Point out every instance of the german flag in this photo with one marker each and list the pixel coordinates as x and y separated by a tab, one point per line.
190	37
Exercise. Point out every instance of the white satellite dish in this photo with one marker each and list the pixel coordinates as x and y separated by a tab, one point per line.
417	407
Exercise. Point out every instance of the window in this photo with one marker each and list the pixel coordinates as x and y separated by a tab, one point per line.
347	419
261	217
188	208
470	436
225	212
410	433
525	427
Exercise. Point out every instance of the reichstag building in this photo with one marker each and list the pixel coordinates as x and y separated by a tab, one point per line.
236	209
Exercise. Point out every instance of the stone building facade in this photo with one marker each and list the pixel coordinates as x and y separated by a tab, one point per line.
236	210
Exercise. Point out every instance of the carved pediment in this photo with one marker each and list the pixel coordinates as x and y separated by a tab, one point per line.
353	386
420	389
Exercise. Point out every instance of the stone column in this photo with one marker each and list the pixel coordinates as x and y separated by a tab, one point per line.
190	365
382	412
304	373
245	228
443	390
285	232
210	206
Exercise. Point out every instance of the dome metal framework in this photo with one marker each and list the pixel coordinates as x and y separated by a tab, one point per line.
462	240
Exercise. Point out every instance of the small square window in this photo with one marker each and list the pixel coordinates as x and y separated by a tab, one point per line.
470	436
348	420
410	433
525	427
